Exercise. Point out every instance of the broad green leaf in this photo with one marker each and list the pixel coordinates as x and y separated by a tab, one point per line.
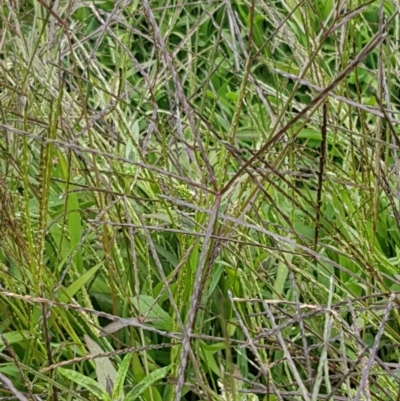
118	392
156	312
169	257
10	370
215	279
86	382
209	361
79	283
152	378
14	337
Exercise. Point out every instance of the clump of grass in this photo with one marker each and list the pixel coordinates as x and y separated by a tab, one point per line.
199	200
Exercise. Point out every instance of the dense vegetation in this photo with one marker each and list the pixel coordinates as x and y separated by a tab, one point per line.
205	193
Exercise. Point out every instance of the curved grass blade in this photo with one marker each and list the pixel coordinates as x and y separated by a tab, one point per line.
146	383
86	382
118	391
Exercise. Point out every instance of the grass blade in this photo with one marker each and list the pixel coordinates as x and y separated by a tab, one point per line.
152	378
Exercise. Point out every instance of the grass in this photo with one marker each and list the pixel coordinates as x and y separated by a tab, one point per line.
199	200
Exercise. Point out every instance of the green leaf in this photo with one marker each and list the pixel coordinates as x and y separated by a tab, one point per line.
11	370
147	382
169	257
307	133
215	279
79	283
118	391
327	8
213	348
86	382
75	229
232	96
139	374
282	274
209	361
147	307
14	337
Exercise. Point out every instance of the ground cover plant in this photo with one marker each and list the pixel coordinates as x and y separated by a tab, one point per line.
199	200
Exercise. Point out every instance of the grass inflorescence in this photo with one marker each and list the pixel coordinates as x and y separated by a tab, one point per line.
199	200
